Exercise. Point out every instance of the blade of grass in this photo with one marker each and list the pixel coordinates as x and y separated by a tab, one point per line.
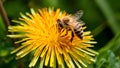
111	44
99	29
107	11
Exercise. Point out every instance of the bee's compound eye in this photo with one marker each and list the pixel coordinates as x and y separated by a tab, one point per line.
58	20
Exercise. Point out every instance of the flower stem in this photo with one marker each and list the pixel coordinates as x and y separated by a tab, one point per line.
4	15
7	23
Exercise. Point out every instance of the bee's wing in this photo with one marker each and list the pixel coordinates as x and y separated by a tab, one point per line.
82	22
78	14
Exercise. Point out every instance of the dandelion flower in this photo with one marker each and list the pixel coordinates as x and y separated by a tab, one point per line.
38	33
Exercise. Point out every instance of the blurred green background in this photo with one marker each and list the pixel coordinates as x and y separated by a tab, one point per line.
102	17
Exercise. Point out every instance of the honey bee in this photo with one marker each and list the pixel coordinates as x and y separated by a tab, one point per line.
71	23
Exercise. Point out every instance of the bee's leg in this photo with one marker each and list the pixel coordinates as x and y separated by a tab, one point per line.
72	33
65	33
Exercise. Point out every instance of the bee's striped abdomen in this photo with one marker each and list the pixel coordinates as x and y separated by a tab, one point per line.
79	31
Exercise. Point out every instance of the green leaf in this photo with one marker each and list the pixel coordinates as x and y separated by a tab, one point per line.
108	61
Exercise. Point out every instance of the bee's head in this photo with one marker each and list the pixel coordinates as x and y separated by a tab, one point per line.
65	21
